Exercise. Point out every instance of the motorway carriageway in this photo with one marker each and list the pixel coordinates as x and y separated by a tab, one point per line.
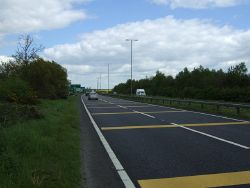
159	147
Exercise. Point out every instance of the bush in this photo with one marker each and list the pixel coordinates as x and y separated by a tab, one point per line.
48	79
17	91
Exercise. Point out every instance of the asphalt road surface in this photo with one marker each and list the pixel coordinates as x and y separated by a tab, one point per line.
161	147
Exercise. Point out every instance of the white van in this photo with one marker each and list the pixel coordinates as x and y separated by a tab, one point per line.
140	92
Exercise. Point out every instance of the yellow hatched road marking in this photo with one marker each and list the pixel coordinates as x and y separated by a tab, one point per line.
172	126
215	124
200	181
122	113
105	107
113	113
138	106
137	127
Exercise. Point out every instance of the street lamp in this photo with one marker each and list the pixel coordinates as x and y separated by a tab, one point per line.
131	42
97	84
108	78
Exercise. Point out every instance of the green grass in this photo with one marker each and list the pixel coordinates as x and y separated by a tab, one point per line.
44	152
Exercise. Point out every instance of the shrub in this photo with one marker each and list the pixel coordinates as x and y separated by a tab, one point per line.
17	91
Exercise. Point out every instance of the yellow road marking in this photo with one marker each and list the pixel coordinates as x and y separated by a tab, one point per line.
138	106
200	181
214	124
105	107
137	127
114	113
172	126
158	112
122	113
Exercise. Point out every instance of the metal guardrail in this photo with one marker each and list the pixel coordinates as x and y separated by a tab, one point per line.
170	101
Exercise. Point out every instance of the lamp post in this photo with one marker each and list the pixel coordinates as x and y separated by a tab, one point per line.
131	45
97	84
108	78
100	82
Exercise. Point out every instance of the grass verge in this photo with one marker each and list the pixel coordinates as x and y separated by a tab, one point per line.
44	152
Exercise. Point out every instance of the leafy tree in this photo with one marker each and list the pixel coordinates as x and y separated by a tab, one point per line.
48	79
237	76
199	83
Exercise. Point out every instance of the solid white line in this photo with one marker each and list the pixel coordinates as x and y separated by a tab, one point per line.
224	117
211	136
118	166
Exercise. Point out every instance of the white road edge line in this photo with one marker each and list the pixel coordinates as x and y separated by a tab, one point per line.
118	166
211	136
224	117
203	113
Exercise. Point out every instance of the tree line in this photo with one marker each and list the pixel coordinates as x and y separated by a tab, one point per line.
199	83
28	77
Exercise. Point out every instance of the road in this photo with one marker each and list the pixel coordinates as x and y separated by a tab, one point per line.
166	147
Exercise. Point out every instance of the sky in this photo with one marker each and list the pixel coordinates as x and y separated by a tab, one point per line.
85	36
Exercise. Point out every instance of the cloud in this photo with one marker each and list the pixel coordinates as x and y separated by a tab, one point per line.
197	4
165	44
5	59
18	16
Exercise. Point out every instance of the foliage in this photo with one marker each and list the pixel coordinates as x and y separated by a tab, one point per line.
200	83
16	90
28	74
48	79
43	152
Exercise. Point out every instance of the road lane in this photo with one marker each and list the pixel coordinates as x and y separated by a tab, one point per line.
172	152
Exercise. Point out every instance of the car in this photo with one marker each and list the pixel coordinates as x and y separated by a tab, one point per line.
140	92
87	94
92	96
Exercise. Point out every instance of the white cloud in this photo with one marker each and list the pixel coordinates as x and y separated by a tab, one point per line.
197	4
165	44
18	16
5	59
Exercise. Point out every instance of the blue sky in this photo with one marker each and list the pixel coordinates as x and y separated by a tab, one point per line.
85	36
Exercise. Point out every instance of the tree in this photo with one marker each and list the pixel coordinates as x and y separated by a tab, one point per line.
27	51
237	76
200	83
48	79
239	70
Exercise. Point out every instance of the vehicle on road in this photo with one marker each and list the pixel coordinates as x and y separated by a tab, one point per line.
92	96
140	92
87	94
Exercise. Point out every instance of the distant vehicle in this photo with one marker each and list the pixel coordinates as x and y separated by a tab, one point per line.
87	94
92	96
140	92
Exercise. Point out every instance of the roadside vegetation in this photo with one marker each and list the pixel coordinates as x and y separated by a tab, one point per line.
39	122
199	83
43	152
27	79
